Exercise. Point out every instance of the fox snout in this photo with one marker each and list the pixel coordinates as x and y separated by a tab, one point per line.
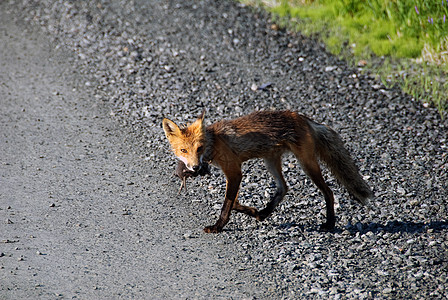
192	163
194	167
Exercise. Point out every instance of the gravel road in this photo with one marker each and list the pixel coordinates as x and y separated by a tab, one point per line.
88	205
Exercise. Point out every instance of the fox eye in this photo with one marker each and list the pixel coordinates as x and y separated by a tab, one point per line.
183	150
200	148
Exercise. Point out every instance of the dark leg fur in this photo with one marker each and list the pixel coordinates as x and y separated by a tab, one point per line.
274	166
250	211
316	176
311	167
233	185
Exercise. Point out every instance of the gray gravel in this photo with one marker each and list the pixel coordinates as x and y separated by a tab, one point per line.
145	60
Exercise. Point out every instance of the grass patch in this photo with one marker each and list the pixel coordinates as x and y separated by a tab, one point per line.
410	37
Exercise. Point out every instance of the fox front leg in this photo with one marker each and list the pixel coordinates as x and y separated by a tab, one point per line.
233	185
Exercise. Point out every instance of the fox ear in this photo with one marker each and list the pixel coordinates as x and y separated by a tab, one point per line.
200	119
170	128
201	116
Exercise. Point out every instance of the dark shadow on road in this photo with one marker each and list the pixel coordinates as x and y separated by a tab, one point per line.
397	226
362	228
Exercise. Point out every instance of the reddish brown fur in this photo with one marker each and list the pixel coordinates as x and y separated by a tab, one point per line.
267	135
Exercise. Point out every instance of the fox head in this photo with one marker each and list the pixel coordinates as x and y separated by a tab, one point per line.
187	142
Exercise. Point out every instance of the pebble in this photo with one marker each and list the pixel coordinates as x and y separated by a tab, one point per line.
254	87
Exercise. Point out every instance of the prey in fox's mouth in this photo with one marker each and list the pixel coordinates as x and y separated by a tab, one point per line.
183	173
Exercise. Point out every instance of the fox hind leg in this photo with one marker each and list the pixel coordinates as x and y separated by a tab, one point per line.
316	176
274	166
311	167
250	211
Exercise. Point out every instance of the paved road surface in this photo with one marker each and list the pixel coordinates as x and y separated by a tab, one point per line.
81	214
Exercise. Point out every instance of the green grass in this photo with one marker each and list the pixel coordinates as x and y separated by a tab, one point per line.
410	34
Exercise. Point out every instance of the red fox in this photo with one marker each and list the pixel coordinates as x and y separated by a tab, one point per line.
267	135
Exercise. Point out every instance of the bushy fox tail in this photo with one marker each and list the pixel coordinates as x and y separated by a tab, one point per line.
331	151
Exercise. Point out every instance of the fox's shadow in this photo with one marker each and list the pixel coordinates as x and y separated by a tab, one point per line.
397	227
362	228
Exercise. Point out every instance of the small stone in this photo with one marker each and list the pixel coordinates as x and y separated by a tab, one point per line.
188	235
362	63
265	86
254	87
414	202
169	68
418	275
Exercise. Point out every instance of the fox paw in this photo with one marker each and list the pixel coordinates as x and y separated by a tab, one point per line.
327	226
212	229
263	214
